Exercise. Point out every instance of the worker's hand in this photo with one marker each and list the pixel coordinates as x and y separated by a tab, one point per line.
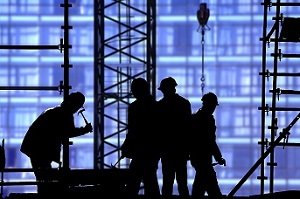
222	161
88	128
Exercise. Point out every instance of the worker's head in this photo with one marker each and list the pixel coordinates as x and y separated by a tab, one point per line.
74	101
140	88
210	101
210	98
168	86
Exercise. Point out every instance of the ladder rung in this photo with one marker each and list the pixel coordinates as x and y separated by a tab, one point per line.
272	164
264	177
274	127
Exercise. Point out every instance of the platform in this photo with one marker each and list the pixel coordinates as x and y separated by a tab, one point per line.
90	194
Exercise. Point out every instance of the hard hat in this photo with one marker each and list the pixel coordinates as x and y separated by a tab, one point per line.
168	82
76	98
139	87
139	84
210	98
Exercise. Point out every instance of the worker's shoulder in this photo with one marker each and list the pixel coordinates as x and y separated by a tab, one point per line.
182	99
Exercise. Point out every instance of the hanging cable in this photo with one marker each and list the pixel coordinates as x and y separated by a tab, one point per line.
202	16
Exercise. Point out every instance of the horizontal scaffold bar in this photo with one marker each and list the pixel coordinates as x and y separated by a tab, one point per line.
287	92
288	144
291	55
280	74
280	109
286	4
30	47
280	4
47	88
16	183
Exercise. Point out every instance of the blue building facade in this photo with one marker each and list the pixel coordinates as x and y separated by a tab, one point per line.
232	65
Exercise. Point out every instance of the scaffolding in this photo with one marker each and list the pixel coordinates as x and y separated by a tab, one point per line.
63	46
279	33
125	48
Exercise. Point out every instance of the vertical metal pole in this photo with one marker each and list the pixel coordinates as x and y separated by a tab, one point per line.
99	65
274	96
263	96
96	125
151	45
2	171
66	76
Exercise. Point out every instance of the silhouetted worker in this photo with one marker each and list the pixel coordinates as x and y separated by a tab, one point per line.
203	148
141	143
43	140
174	113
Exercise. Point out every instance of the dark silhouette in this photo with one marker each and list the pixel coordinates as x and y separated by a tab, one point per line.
43	140
203	148
174	112
141	143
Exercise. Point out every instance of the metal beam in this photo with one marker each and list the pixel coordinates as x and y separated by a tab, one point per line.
117	62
